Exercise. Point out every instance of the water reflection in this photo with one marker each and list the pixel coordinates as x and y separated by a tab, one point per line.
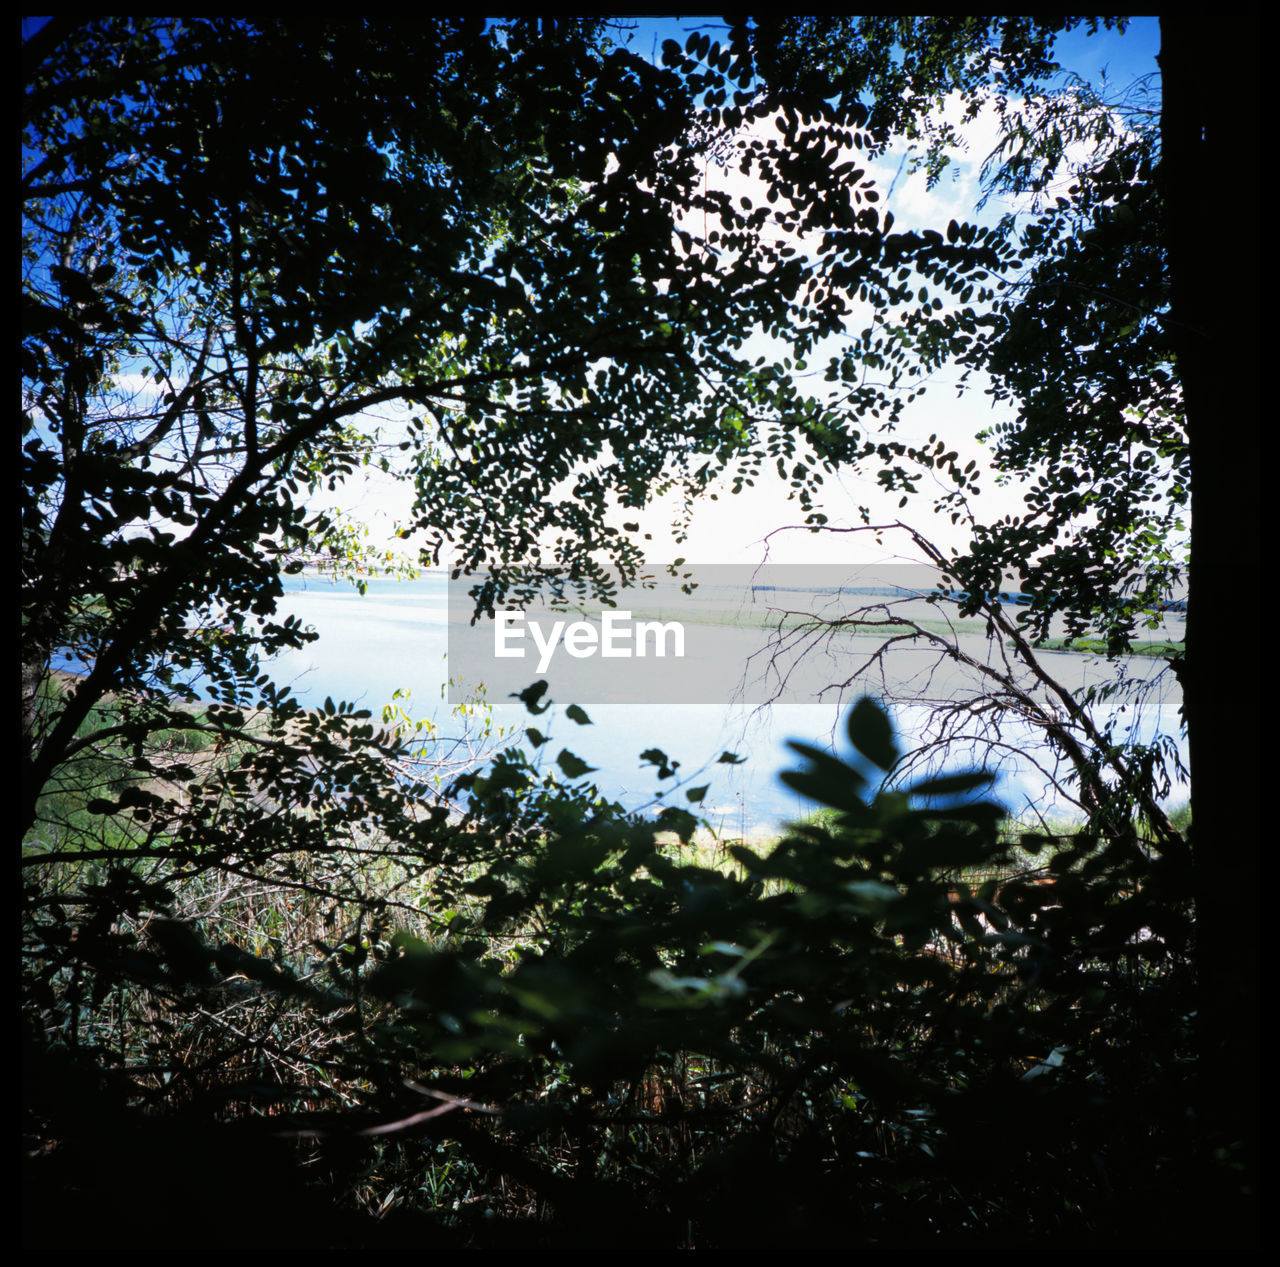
395	638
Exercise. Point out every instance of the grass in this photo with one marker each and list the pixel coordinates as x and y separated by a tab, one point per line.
774	619
1150	649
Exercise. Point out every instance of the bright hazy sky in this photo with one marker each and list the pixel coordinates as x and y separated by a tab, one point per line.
732	528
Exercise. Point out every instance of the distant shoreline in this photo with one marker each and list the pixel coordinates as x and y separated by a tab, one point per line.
762	617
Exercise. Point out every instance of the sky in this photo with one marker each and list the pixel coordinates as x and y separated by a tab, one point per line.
761	524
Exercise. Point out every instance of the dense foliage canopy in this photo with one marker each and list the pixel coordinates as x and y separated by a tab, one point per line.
244	921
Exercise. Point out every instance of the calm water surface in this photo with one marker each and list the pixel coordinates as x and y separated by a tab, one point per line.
395	638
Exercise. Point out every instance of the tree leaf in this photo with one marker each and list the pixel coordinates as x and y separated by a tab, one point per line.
573	766
871	733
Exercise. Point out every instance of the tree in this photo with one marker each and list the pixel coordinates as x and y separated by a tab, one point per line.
526	286
239	239
194	363
1212	323
1100	431
1076	350
1107	346
276	233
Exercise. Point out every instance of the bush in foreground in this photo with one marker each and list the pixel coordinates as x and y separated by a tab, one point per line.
555	1034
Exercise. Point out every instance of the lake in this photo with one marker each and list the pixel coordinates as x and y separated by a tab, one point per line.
396	637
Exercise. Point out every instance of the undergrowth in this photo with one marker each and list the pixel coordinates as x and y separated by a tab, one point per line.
533	1025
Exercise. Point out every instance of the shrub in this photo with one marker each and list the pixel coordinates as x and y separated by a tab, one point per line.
596	1044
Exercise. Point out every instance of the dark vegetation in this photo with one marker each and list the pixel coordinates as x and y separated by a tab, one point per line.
274	992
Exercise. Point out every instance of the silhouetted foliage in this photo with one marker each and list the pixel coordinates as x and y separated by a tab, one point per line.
843	1041
258	956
